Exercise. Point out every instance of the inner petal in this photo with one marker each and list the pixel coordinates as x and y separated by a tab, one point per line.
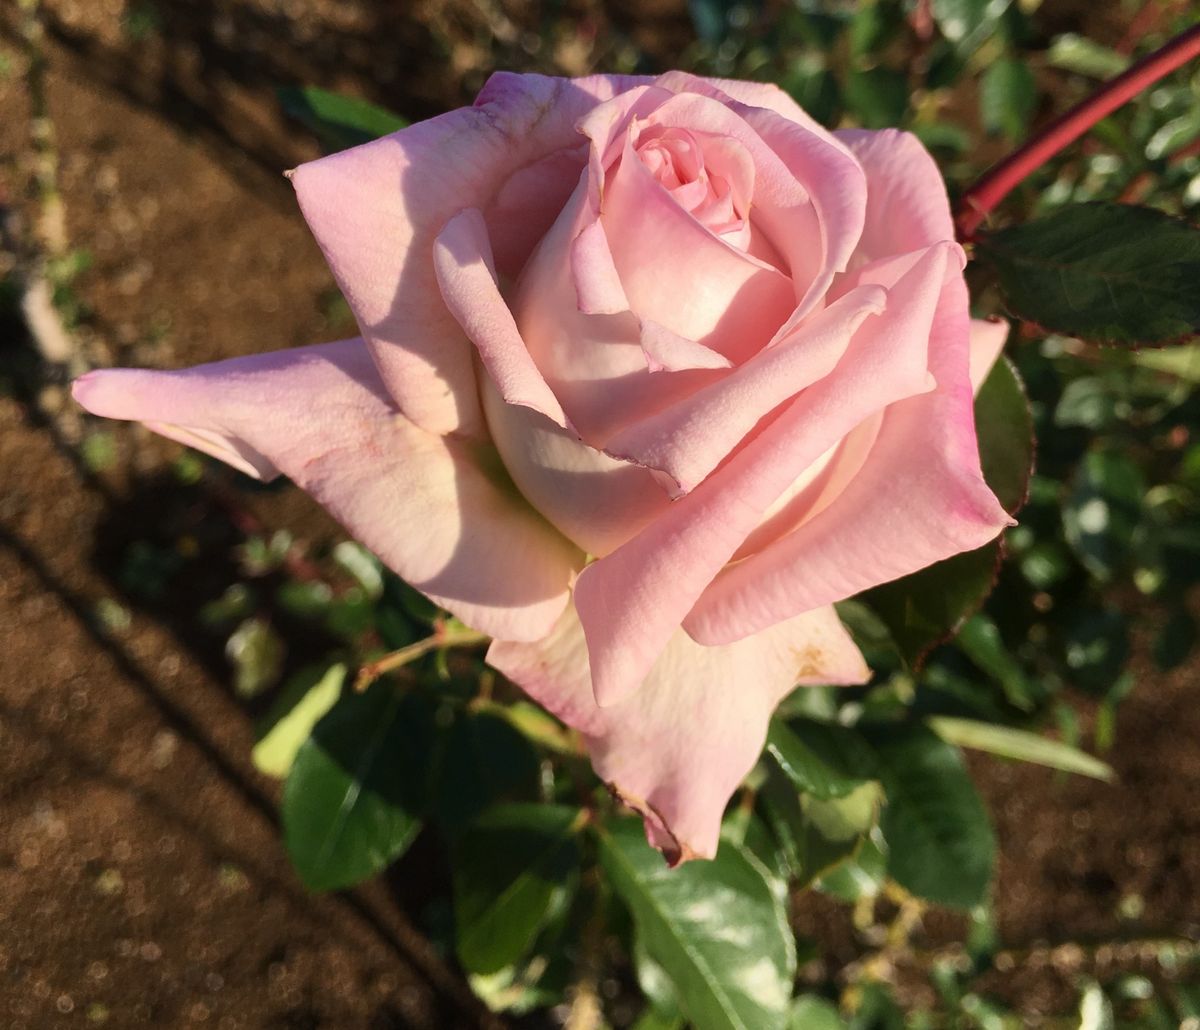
710	176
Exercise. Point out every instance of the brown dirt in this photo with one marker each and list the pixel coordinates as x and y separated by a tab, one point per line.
142	881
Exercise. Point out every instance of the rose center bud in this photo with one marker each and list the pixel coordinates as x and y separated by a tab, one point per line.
709	176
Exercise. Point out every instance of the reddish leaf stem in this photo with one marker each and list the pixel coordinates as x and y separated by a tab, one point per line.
978	201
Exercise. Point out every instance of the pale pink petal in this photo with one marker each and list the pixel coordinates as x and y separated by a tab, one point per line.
919	497
691	438
907	207
631	600
816	158
376	209
590	354
677	750
662	254
752	94
592	499
667	352
462	258
423	503
987	341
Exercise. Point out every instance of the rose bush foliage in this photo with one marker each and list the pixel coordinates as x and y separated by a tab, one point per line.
652	373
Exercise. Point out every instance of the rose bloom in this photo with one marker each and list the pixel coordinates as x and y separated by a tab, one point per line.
652	372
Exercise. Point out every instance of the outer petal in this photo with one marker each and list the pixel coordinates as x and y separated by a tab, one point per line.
907	206
987	341
375	211
423	503
678	749
919	497
462	258
631	601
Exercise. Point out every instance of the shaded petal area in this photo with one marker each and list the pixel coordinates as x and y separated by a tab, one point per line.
423	503
677	749
462	258
376	209
631	601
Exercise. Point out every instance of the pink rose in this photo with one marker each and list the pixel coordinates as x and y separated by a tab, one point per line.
652	372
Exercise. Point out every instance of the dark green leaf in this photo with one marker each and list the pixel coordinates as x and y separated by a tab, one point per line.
1088	402
486	759
1175	640
821	759
1007	97
718	929
980	640
861	876
351	800
926	608
511	869
940	844
1004	427
338	121
1113	273
878	97
1102	511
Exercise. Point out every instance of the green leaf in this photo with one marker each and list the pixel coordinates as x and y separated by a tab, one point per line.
878	97
1007	97
821	759
1074	53
1004	426
980	640
940	844
959	18
256	652
1112	273
338	121
305	699
817	835
927	608
1182	362
811	1012
1019	744
486	759
1102	511
718	929
512	868
351	800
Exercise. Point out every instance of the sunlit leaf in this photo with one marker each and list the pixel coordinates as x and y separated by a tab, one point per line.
718	929
305	699
1019	744
338	121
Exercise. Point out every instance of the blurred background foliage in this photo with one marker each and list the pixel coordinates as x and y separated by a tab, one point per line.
862	817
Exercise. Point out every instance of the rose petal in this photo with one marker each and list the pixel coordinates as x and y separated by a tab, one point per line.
662	254
987	341
907	207
631	600
423	503
678	749
462	258
690	439
815	157
918	498
376	209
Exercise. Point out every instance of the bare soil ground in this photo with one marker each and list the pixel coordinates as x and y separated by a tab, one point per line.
142	881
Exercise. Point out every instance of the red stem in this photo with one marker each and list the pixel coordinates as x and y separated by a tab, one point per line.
978	201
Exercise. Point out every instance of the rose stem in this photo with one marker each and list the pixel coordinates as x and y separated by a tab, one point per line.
980	199
444	635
